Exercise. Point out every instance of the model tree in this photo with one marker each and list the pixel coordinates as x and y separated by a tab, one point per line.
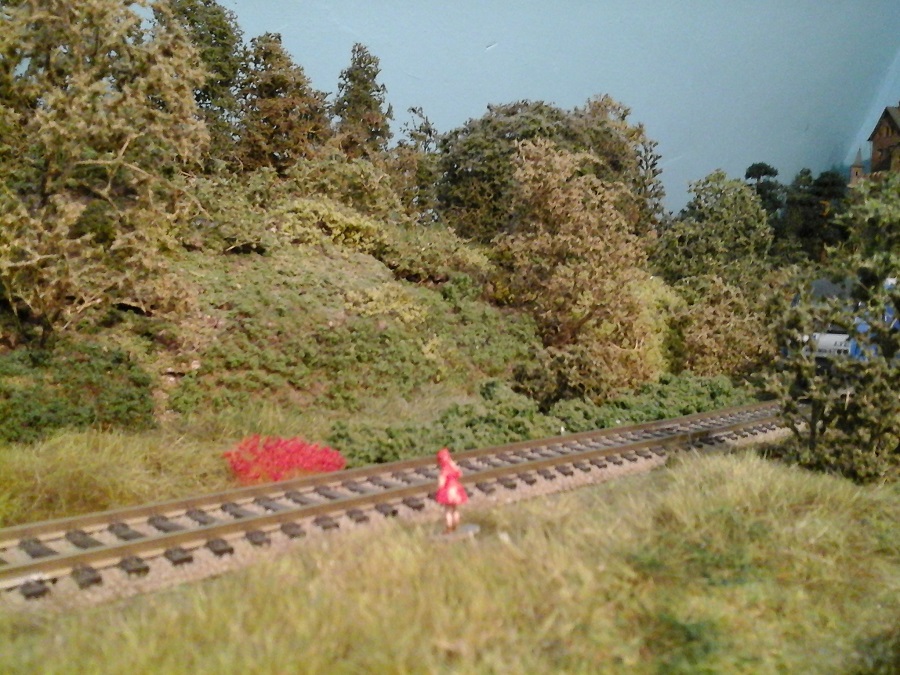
283	118
576	267
476	185
722	231
363	124
100	102
216	36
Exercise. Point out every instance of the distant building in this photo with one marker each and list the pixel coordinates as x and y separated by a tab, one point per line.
885	139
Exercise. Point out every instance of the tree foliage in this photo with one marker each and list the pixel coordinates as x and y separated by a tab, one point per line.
770	192
217	38
413	165
102	101
575	265
476	187
363	125
722	231
284	119
719	329
872	218
812	212
845	414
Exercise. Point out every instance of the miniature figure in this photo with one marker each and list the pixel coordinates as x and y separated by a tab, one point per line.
451	492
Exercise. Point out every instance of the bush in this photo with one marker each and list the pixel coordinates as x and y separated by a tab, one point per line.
499	416
263	459
672	396
77	386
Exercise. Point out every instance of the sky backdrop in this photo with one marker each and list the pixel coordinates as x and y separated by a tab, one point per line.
718	83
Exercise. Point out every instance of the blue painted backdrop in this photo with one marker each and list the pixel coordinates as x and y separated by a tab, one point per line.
720	84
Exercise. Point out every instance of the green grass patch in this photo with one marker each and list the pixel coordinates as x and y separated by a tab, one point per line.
74	385
722	564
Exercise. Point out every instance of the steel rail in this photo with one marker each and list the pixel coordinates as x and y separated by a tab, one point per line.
43	569
12	535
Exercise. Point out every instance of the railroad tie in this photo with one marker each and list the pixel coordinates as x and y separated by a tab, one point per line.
258	538
383	483
354	486
301	499
415	503
405	477
293	530
200	516
326	522
133	564
178	556
86	576
125	532
219	547
269	504
82	539
387	510
33	589
357	516
328	492
486	487
35	548
236	511
164	525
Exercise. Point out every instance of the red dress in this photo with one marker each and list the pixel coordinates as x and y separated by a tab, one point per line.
450	490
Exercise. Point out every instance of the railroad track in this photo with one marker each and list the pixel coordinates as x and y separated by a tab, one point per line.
121	549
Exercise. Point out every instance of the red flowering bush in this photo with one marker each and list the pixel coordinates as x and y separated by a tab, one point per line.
263	459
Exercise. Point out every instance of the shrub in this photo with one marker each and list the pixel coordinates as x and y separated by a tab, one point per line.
262	459
77	386
575	266
672	396
498	416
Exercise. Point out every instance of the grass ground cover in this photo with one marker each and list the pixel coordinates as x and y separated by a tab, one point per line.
717	564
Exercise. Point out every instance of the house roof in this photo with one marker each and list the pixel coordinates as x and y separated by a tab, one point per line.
892	115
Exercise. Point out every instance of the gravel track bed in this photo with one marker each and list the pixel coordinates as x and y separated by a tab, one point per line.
163	574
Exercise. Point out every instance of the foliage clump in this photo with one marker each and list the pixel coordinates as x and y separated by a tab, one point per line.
476	186
76	385
102	103
363	125
722	231
844	411
671	396
283	119
265	459
575	265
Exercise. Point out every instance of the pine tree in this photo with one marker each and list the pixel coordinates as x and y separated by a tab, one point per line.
364	122
215	34
284	119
